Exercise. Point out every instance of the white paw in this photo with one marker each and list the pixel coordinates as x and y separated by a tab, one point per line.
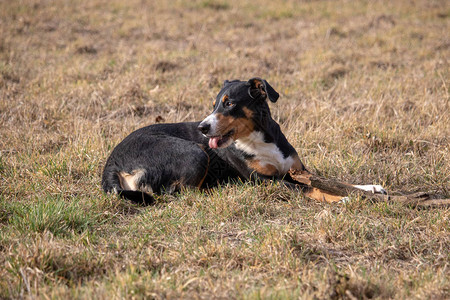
376	189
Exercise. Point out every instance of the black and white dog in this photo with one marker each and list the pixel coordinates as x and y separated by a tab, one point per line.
238	141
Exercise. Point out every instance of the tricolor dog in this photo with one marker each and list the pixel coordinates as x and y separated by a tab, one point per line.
239	140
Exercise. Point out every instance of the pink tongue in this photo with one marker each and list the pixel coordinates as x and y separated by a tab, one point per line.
213	142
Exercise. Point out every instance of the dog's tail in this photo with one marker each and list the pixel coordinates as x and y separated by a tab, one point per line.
119	183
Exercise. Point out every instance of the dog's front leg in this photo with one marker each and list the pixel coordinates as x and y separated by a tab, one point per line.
374	188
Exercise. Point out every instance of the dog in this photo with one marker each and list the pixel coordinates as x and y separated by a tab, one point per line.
238	141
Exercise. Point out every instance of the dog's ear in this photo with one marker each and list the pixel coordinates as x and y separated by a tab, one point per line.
227	82
261	88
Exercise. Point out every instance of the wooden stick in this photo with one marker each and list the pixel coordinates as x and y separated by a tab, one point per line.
338	188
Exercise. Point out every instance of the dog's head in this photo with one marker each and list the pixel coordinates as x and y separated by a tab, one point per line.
240	109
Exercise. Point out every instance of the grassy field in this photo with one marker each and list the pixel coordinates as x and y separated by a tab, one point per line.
364	98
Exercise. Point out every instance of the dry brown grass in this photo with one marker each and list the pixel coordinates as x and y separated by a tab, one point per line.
365	99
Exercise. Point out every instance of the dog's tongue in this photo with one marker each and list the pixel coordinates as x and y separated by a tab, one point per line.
213	142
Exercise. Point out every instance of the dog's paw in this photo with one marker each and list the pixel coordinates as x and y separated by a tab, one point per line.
376	189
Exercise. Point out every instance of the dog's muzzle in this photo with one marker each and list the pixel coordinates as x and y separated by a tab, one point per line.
216	140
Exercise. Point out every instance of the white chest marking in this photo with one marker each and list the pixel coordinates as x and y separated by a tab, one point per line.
265	153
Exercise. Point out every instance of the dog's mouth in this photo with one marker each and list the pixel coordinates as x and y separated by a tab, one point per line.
221	141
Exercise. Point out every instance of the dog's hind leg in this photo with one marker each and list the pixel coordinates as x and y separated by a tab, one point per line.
157	164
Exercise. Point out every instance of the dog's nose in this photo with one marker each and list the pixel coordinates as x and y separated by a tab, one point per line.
204	127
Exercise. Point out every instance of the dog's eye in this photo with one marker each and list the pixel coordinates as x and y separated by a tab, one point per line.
228	103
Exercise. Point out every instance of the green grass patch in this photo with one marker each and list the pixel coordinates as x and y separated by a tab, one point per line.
50	213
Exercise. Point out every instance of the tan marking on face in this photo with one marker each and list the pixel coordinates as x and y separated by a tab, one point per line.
242	126
322	196
224	123
266	169
224	98
130	182
245	128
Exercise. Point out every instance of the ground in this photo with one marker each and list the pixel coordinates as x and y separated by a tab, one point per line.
364	99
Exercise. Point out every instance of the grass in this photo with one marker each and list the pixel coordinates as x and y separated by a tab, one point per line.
48	214
364	98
